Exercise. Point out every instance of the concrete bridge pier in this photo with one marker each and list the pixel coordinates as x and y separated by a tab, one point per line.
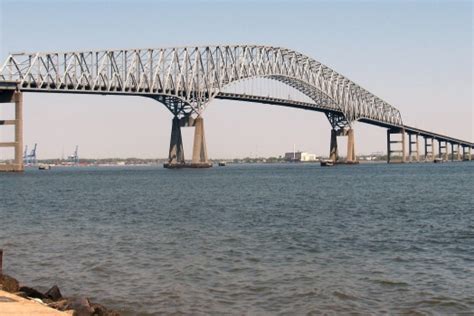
413	153
333	150
455	152
351	156
458	152
443	149
200	159
176	153
17	98
390	142
466	153
333	153
429	149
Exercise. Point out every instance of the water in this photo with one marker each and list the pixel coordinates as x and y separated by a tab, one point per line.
247	239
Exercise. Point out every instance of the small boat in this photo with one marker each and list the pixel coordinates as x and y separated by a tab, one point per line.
221	164
327	163
438	160
43	166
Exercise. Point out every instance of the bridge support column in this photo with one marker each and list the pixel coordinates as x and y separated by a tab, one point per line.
351	156
333	153
458	153
467	153
455	153
200	159
390	142
443	149
429	149
17	98
176	153
412	150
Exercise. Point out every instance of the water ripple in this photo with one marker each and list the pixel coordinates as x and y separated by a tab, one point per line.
269	239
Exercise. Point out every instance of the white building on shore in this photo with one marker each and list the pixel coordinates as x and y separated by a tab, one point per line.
300	156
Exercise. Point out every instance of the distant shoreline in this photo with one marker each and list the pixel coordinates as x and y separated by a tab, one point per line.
160	164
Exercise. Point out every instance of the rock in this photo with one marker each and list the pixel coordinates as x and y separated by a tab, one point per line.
54	293
21	294
38	300
9	284
100	310
31	292
59	305
112	313
80	305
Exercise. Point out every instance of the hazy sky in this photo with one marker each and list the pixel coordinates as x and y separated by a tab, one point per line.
417	55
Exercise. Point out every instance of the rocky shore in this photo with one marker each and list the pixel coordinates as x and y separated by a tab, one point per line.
77	306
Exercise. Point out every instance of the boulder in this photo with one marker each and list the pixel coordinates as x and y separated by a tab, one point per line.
38	300
9	284
21	294
59	305
100	310
54	293
31	292
80	305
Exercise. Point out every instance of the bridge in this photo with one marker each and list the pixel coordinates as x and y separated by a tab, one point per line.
187	79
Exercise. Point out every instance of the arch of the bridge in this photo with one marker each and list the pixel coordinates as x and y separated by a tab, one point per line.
320	99
187	78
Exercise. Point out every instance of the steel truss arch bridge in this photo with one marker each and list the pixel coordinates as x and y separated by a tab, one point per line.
187	79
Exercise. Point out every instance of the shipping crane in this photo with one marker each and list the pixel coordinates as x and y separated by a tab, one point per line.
74	158
29	158
25	155
32	156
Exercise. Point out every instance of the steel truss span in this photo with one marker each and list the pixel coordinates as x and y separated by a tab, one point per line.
186	79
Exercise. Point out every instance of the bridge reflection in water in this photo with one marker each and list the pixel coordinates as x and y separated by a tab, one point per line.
187	79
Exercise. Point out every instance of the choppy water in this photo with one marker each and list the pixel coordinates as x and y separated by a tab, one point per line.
247	239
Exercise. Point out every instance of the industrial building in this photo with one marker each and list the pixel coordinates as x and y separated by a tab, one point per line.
299	156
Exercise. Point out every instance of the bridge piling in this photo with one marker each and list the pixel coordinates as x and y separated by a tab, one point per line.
390	151
333	153
200	159
455	152
351	156
466	154
412	151
458	152
17	98
429	149
176	153
443	150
